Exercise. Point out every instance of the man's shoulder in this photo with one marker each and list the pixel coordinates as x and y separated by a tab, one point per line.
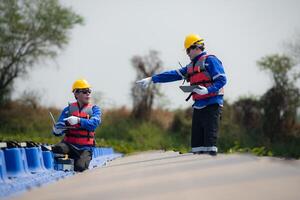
96	108
211	57
65	110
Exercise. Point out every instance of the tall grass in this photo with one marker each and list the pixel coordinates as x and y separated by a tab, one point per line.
168	130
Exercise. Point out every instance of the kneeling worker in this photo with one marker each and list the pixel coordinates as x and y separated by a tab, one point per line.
78	122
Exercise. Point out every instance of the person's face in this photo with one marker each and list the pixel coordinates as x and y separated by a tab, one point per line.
193	51
83	95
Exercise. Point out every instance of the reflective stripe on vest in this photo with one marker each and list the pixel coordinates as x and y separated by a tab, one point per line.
198	75
80	136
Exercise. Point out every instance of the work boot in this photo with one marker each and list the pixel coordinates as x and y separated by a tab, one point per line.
198	152
212	153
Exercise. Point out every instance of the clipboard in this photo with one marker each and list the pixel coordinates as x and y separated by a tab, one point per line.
188	88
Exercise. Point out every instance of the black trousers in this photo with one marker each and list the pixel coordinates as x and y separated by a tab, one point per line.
205	127
81	158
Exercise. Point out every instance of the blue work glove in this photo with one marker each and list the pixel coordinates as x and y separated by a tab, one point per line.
59	128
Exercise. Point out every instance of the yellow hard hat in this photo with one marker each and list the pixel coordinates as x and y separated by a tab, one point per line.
80	84
192	39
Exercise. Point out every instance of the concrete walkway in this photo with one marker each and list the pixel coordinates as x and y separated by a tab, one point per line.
169	175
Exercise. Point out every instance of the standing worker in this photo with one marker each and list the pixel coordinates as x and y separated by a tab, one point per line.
205	71
78	122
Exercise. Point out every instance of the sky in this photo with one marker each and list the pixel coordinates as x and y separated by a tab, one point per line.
238	32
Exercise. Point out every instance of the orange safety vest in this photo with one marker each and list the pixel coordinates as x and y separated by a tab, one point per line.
79	135
198	75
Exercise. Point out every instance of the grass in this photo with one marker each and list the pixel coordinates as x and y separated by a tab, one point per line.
166	130
39	138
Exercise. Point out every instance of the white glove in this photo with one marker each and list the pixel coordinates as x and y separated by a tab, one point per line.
72	120
201	90
144	82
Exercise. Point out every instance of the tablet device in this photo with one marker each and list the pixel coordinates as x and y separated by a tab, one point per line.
188	88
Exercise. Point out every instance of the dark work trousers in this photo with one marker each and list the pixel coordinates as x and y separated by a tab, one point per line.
205	126
81	158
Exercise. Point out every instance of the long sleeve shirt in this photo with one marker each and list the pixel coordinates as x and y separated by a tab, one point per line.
215	69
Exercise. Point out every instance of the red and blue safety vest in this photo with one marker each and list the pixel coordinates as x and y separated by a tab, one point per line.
79	135
198	75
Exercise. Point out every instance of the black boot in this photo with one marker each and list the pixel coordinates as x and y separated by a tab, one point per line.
212	153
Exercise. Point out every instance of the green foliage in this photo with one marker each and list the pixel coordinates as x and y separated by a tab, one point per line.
19	118
241	131
181	125
45	138
22	122
248	113
30	31
280	102
278	65
259	151
128	135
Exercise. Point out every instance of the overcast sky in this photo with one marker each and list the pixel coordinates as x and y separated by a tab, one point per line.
238	32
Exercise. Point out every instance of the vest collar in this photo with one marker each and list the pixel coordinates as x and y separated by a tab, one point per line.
197	57
80	108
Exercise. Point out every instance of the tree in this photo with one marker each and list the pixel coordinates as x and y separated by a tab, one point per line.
143	98
280	102
31	98
31	30
247	112
293	47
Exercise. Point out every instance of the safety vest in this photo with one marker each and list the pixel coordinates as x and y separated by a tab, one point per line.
79	135
198	75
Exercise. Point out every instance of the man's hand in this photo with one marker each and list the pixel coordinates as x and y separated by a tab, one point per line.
144	82
201	90
72	120
59	128
57	131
